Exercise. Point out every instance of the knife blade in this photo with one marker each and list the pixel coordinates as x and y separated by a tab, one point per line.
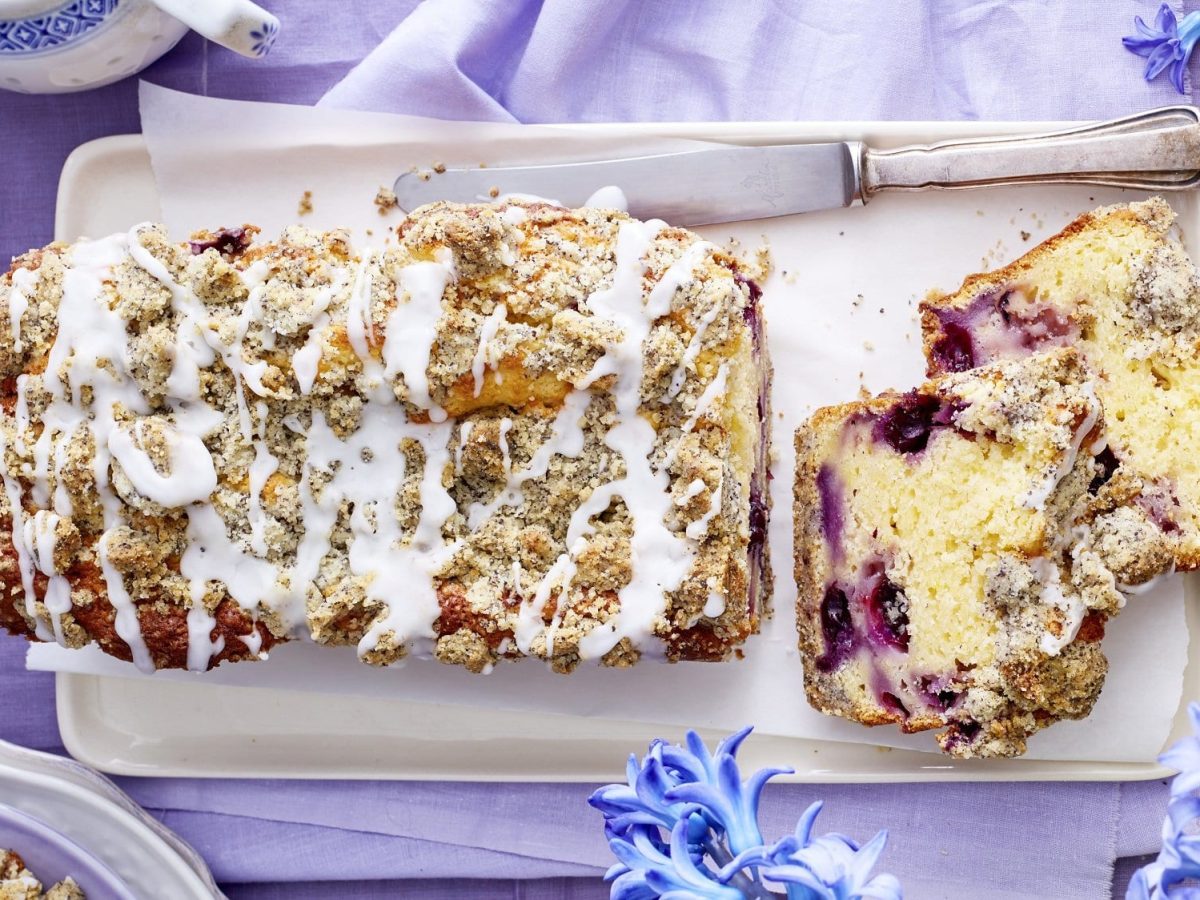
691	187
1156	150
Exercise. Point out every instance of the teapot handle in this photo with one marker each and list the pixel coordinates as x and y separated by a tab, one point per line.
240	25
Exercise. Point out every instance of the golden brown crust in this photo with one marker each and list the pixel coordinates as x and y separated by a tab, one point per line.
527	273
1025	635
1133	315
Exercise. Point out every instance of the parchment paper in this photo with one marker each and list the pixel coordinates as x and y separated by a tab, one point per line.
840	316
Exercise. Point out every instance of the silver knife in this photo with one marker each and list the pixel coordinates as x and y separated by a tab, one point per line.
1157	150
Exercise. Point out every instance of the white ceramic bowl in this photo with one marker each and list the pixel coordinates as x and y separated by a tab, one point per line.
52	46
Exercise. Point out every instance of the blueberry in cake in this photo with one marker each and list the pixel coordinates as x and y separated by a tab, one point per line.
514	430
955	568
1119	286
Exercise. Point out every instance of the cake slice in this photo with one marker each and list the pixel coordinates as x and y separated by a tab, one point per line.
954	569
1118	285
514	430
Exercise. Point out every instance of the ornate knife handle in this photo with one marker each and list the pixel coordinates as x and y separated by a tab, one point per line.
1156	150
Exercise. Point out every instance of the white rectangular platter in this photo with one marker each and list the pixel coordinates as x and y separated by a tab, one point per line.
168	728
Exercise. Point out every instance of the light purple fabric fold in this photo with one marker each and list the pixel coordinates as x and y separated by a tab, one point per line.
649	60
570	60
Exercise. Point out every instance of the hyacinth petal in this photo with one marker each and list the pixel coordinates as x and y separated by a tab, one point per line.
1141	46
804	826
1145	30
1193	711
615	871
732	743
695	800
747	859
1161	57
632	887
1140	885
882	887
870	852
631	769
755	783
1184	757
793	874
686	867
1165	20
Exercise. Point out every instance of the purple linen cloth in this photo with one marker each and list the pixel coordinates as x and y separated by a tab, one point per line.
566	60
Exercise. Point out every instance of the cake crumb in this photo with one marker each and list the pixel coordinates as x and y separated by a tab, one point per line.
386	201
857	301
440	168
1024	235
868	346
305	206
493	192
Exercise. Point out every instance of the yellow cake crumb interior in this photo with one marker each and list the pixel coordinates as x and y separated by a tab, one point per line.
952	510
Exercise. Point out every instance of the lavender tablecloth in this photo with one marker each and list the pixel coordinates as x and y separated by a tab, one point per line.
596	60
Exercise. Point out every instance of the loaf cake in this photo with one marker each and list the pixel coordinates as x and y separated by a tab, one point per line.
1119	286
514	430
18	883
955	566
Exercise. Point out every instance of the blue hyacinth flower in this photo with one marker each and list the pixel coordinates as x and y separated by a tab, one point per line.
1176	872
685	825
1167	44
830	867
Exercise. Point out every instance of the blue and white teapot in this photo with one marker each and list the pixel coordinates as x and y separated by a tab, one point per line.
52	46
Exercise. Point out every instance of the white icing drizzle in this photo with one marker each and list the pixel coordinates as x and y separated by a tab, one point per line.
24	556
514	215
306	362
58	603
506	460
360	326
90	348
464	435
365	471
23	285
712	392
608	197
192	351
487	334
412	327
696	487
1053	595
691	352
126	624
698	529
21	413
644	489
529	616
262	468
566	439
201	646
39	538
1037	497
253	641
191	477
368	469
